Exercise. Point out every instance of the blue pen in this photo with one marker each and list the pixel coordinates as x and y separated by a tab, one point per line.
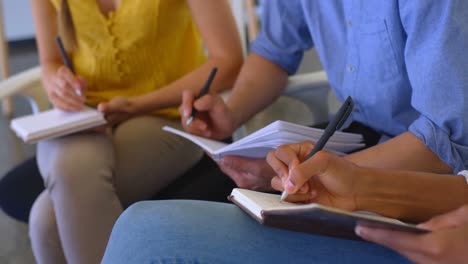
340	117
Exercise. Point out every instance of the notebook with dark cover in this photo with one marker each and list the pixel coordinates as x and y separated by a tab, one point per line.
311	218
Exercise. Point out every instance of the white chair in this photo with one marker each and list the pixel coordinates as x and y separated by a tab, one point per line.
27	84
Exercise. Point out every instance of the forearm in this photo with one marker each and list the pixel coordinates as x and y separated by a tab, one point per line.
171	95
412	196
260	82
404	152
45	21
44	17
219	33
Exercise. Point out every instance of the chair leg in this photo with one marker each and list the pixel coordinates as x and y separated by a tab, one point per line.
7	104
7	107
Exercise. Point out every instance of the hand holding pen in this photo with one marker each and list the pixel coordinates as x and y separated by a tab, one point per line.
64	89
325	178
340	117
203	92
211	118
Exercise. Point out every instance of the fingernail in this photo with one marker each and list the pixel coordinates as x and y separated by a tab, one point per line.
423	225
290	187
359	231
283	177
313	194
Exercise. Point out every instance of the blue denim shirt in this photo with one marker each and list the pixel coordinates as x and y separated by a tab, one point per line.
404	62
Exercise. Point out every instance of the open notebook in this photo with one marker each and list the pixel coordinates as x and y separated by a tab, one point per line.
267	209
262	141
54	123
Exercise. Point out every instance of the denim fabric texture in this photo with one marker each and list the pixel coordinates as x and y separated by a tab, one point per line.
189	231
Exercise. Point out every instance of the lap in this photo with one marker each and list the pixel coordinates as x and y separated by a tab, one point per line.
148	158
138	155
222	233
75	157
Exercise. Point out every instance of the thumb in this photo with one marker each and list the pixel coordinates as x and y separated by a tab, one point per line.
187	103
83	84
302	173
232	162
103	107
209	102
451	219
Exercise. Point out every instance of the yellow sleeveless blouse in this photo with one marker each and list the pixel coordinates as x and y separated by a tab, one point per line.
141	46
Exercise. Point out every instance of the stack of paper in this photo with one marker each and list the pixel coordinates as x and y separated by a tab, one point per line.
55	123
259	143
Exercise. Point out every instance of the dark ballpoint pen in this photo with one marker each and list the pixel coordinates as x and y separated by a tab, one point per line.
203	91
340	117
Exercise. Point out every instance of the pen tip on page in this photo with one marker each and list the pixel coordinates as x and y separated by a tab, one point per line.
189	121
284	195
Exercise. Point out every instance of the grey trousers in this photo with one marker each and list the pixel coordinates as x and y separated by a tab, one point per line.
91	177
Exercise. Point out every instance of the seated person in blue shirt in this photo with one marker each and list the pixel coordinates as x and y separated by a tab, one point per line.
403	62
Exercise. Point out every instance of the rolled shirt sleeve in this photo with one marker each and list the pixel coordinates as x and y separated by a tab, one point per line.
284	36
427	95
437	64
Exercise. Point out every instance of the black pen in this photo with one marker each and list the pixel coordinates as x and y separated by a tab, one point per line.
65	59
340	117
203	91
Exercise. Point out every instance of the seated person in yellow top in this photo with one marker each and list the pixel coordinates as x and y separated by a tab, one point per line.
132	60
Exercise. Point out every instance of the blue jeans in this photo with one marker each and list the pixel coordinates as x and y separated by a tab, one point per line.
180	231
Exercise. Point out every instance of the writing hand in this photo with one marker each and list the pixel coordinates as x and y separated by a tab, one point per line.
213	119
62	88
324	178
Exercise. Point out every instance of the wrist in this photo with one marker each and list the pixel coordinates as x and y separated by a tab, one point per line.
234	115
365	195
49	70
134	105
388	193
236	121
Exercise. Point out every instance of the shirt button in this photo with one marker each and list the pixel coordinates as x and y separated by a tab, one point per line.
350	23
351	68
